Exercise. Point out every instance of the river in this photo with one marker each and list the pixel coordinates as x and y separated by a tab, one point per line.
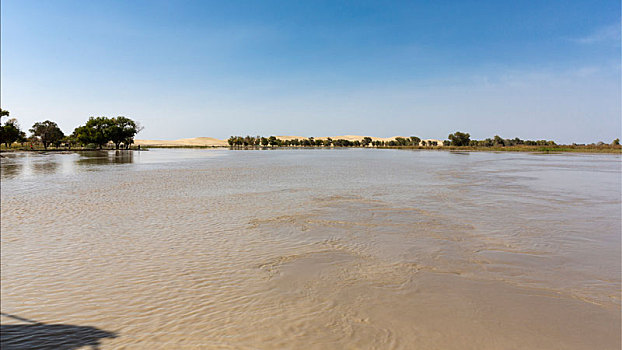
310	249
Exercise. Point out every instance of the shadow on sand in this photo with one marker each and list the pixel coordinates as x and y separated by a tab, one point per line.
37	335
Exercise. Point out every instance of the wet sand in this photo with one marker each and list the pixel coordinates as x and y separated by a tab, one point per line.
313	249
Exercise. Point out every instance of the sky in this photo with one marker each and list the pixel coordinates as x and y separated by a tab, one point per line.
528	69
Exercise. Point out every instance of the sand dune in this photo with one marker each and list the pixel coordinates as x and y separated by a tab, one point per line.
283	138
196	141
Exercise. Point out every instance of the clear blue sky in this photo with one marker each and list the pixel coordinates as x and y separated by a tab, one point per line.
532	69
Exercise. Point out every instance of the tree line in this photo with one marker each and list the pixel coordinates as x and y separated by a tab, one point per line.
459	139
95	133
273	141
464	139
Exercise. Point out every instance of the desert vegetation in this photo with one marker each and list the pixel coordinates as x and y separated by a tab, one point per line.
119	132
96	133
456	141
238	142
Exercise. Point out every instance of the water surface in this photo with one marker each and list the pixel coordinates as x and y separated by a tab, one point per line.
311	249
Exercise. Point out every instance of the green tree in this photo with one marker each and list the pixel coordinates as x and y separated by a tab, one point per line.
273	141
400	141
83	135
70	141
122	130
97	130
22	138
10	132
616	142
33	140
101	127
48	132
459	138
366	141
499	141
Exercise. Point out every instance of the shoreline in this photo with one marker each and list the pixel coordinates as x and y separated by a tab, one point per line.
533	149
65	151
525	149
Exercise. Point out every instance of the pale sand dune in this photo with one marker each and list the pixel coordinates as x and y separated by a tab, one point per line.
283	138
439	142
196	141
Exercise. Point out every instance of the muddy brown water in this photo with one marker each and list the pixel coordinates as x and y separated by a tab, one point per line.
310	249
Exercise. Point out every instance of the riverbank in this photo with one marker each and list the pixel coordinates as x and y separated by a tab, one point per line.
610	149
530	149
358	141
120	153
65	150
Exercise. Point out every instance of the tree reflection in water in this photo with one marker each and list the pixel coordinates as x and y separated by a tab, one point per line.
105	157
